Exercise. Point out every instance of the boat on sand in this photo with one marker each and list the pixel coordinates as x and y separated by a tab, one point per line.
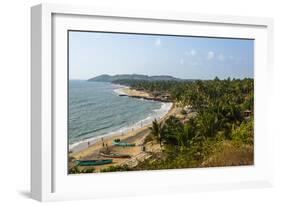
123	144
114	155
93	162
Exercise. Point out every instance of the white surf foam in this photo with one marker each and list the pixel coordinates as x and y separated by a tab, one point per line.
157	114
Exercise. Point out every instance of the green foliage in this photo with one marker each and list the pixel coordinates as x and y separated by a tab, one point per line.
244	133
77	170
207	124
117	168
200	93
172	130
219	135
74	170
157	131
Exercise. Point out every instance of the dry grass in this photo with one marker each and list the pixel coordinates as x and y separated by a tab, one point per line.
229	154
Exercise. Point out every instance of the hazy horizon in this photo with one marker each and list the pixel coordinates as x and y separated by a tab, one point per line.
161	75
94	53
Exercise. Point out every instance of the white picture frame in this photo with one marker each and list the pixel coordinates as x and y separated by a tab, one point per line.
49	181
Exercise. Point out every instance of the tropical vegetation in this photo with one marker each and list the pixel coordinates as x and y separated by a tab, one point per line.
221	133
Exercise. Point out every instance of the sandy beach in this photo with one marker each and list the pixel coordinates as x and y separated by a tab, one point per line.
136	136
132	92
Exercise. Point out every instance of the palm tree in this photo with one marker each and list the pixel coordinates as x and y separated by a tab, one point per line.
74	170
207	124
184	135
156	131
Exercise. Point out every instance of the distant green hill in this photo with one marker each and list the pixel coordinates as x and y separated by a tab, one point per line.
108	78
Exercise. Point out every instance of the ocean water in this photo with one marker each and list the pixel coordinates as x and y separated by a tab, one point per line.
96	110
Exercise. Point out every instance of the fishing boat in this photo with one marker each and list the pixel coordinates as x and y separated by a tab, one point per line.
123	144
93	162
115	155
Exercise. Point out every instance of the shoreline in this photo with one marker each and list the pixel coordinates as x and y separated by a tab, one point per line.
137	136
123	90
127	91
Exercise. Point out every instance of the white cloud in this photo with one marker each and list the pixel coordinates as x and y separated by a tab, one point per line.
210	55
221	57
192	52
181	61
157	42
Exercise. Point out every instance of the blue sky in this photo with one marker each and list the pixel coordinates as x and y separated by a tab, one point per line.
92	54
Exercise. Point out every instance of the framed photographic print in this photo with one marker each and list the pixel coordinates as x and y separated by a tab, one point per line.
134	102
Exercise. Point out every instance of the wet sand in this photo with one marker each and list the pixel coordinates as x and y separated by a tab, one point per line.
136	136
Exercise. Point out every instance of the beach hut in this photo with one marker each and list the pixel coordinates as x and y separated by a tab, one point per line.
165	96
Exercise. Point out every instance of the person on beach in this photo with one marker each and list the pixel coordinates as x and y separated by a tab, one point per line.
88	143
102	142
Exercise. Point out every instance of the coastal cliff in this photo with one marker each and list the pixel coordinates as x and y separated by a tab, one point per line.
112	78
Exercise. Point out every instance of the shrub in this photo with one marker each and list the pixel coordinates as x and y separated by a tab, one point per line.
244	133
116	168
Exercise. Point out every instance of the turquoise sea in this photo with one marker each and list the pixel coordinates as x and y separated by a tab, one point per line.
96	110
